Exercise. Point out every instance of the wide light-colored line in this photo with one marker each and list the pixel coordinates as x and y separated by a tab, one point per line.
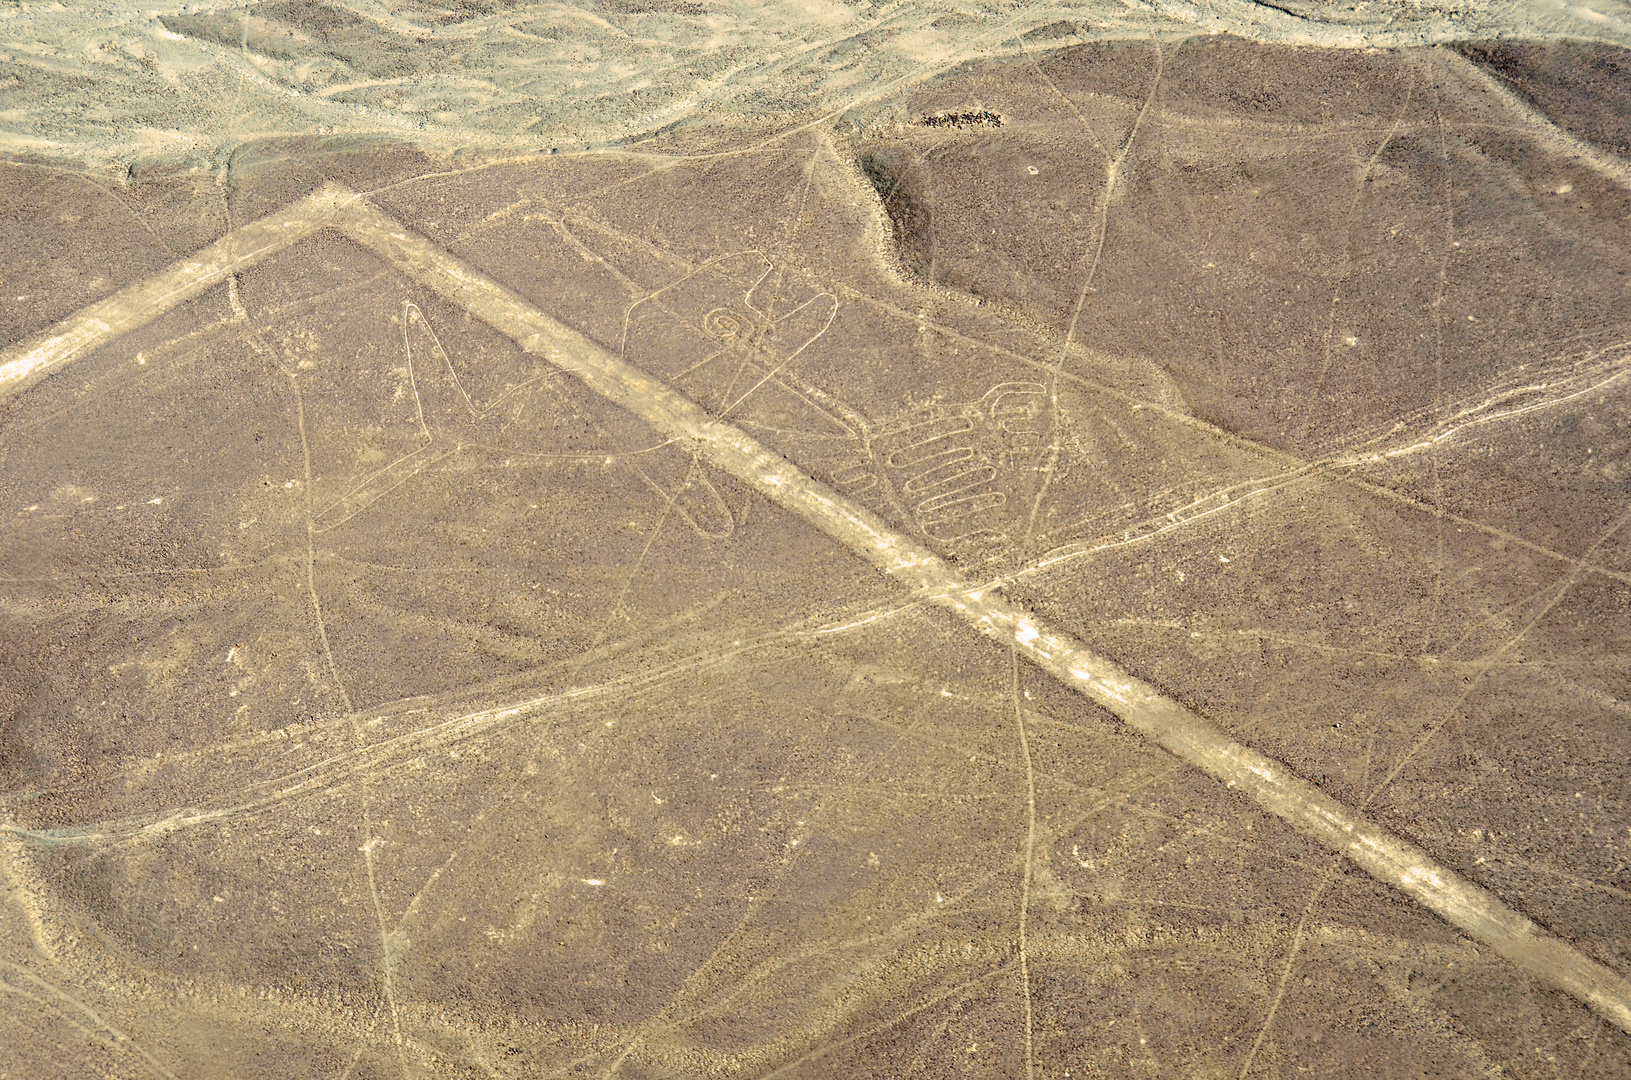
1138	704
1141	706
136	305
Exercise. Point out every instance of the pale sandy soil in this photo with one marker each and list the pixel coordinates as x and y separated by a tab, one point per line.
675	540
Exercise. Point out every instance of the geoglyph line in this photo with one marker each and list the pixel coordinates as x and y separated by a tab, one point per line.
1138	704
1141	706
136	305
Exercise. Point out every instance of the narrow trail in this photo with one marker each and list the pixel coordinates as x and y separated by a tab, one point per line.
1141	706
1159	718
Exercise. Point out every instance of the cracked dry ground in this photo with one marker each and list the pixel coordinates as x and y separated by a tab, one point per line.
376	701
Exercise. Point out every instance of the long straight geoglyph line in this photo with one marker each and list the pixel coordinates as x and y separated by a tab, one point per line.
1141	706
136	305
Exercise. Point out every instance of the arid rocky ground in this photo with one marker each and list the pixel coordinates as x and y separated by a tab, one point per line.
377	700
